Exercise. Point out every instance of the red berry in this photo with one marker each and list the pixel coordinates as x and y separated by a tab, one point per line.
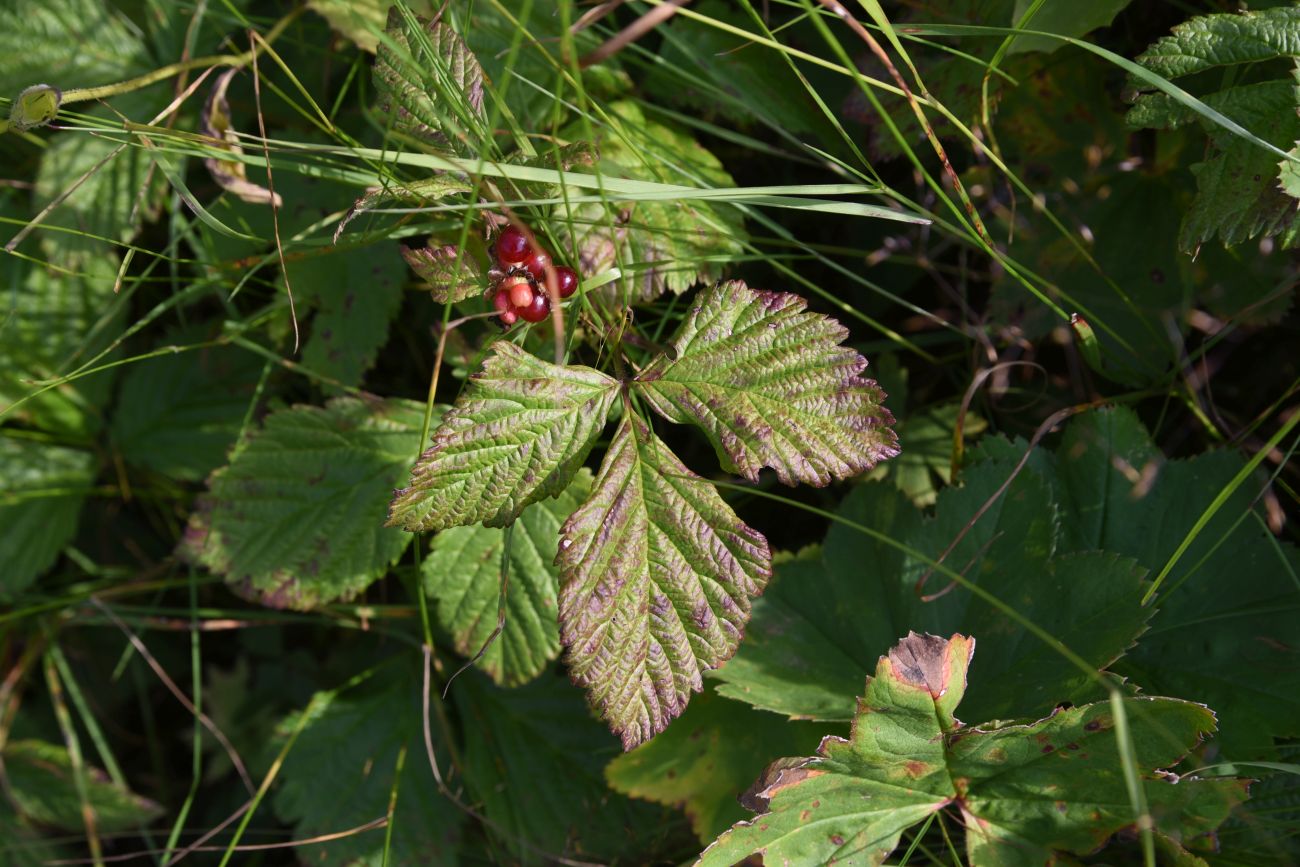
538	310
566	281
509	317
512	247
520	291
537	263
501	301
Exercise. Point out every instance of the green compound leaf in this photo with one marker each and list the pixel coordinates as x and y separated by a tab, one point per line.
708	757
517	435
660	245
41	784
295	518
533	758
771	387
41	494
429	83
1238	192
463	575
657	571
342	772
812	639
1024	793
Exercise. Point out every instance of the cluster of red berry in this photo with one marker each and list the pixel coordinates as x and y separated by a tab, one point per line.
522	293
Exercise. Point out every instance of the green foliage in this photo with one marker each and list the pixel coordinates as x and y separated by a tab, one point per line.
658	571
294	519
44	487
707	758
1062	17
519	434
1025	792
40	42
771	387
658	245
1238	194
463	575
353	754
40	783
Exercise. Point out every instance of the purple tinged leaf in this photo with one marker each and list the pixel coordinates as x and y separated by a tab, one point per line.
429	81
518	434
771	386
656	573
451	276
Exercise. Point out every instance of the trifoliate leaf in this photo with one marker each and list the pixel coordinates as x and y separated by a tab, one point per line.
533	758
1224	632
771	386
463	575
180	414
430	85
451	276
658	246
40	782
1024	793
656	571
41	493
707	758
517	435
812	639
295	518
231	175
342	772
416	192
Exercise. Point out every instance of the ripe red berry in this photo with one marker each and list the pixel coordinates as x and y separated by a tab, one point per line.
520	291
512	247
538	310
566	281
537	263
501	301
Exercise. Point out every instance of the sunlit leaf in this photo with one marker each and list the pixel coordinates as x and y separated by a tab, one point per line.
657	572
517	435
1024	792
295	519
463	575
772	387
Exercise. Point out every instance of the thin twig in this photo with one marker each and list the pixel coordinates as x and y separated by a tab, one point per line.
632	32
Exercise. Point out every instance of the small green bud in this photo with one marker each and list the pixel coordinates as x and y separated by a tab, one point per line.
36	106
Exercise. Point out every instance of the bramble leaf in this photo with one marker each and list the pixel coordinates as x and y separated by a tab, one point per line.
429	82
517	435
40	781
657	571
346	767
294	519
1064	17
463	575
451	276
771	386
658	245
707	758
1024	792
533	758
40	501
1238	194
812	639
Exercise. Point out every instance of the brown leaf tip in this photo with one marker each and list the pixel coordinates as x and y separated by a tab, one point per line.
924	661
